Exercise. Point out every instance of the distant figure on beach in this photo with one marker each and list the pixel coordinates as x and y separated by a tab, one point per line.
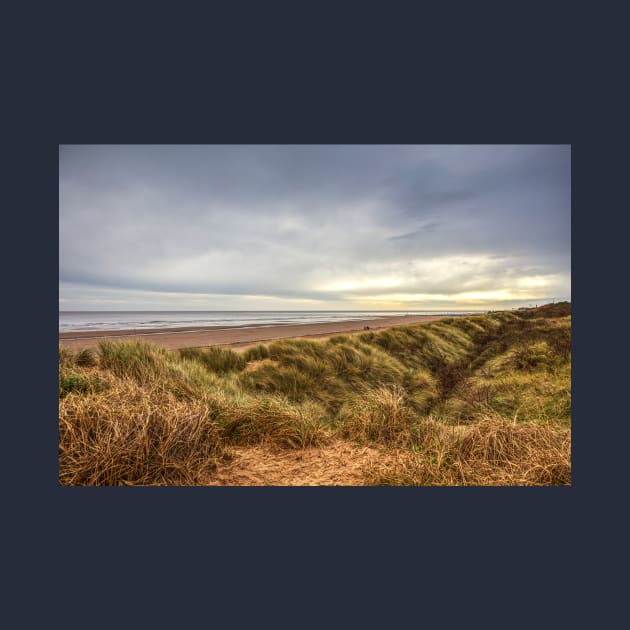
366	328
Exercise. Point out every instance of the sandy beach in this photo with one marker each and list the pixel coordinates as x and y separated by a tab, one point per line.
234	336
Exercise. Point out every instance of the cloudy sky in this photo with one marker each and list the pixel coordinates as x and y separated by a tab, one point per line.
313	227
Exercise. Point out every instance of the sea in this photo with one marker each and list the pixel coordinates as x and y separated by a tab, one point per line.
81	321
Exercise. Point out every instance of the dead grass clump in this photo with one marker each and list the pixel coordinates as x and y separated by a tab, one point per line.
272	420
411	469
492	451
128	436
519	453
378	415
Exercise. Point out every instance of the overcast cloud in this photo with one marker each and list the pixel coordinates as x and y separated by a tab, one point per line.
313	227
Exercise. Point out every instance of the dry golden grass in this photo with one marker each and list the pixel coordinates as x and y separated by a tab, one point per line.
272	420
491	451
379	415
130	436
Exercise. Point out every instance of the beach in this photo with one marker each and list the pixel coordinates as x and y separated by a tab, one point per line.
234	336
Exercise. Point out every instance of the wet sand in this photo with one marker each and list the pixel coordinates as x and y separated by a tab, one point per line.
234	336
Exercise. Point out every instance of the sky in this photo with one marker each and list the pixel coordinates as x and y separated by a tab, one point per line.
313	227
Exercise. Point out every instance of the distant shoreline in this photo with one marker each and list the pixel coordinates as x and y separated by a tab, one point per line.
236	336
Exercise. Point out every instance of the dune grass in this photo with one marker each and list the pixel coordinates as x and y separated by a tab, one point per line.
477	400
215	359
491	451
131	435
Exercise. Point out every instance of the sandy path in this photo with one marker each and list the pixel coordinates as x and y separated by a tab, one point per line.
236	336
339	463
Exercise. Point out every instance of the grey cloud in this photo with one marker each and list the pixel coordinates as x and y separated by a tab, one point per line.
430	226
289	221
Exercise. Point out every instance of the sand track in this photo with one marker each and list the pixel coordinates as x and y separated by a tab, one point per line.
339	463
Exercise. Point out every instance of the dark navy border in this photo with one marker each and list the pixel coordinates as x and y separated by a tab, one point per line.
341	557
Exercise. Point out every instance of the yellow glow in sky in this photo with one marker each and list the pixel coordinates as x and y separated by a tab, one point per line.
355	284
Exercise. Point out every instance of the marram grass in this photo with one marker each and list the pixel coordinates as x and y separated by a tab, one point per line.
490	451
479	400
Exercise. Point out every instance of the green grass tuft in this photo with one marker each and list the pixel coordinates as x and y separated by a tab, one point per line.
257	353
215	358
79	383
